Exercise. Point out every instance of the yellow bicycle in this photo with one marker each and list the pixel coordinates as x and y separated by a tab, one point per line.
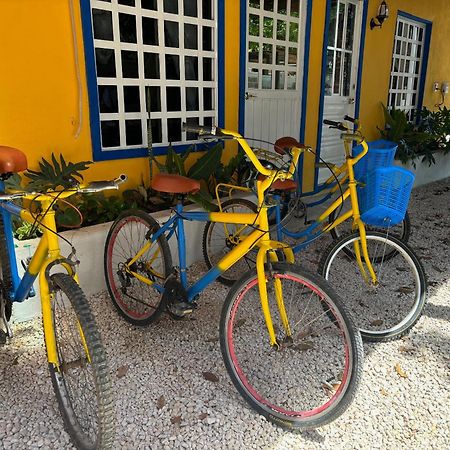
287	342
75	354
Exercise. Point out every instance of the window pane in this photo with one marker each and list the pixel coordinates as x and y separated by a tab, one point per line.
208	99
347	74
174	130
127	26
292	80
293	32
133	132
292	56
105	62
172	67
337	74
190	36
107	96
281	30
281	55
349	32
253	25
190	8
253	52
267	53
329	73
110	133
279	79
191	67
340	27
268	27
295	8
207	38
102	22
192	99
150	31
253	78
332	24
156	130
155	98
173	96
266	79
129	64
149	4
171	37
208	69
254	3
192	121
282	6
268	5
151	65
131	99
207	10
126	2
171	6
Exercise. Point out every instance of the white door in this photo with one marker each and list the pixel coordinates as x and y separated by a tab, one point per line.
275	37
341	75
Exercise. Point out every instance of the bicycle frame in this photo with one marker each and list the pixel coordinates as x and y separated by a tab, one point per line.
259	237
310	234
46	255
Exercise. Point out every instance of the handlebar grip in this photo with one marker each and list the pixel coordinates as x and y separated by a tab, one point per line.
333	124
202	129
350	119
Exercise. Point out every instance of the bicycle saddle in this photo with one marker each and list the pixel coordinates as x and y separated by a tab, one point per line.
175	184
12	160
286	142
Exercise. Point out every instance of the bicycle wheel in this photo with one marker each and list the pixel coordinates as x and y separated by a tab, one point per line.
390	308
401	231
220	238
6	277
139	303
312	378
82	385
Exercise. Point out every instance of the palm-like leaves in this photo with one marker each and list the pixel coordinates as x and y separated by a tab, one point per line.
55	174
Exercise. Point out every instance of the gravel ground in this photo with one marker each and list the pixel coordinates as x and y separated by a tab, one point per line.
164	401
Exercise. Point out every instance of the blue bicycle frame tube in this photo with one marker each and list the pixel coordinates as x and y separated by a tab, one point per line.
20	287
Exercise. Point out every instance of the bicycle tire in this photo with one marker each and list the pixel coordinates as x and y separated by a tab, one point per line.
136	301
6	281
390	309
401	231
77	378
289	402
216	243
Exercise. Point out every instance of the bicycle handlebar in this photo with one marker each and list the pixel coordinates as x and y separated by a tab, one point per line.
92	187
333	124
206	132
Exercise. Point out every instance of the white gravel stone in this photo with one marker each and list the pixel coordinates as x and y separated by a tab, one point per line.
168	359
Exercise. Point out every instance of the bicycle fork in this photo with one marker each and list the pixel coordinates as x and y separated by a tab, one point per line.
267	253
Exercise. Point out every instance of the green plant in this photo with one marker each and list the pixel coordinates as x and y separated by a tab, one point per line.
24	230
59	174
420	140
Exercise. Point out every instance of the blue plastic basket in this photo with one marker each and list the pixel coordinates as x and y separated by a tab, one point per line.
384	199
381	154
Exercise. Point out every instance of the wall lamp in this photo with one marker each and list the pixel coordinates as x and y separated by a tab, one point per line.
383	14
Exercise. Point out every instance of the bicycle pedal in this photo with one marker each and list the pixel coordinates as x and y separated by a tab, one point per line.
181	309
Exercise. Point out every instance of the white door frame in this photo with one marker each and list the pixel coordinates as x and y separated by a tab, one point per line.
302	74
359	58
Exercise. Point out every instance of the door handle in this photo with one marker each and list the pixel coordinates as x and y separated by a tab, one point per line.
247	96
351	101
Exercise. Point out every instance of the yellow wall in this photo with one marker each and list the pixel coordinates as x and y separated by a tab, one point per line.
39	90
378	57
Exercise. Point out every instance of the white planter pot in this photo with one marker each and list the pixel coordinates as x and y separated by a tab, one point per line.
426	174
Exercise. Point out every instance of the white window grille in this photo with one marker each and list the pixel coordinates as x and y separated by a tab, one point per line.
407	60
169	47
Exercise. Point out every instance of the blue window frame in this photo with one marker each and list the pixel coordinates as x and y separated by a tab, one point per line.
165	55
409	63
